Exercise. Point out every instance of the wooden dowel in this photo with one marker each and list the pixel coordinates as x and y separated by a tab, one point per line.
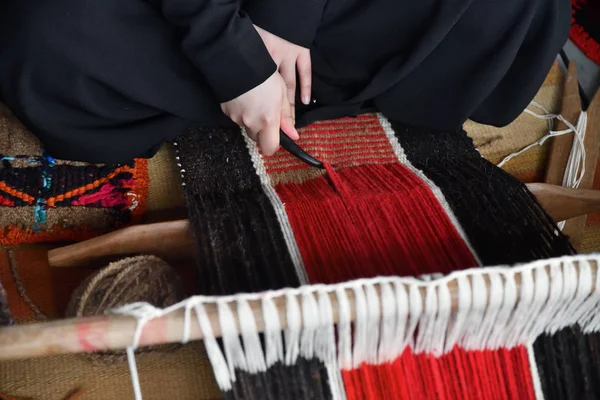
563	203
174	240
164	239
116	332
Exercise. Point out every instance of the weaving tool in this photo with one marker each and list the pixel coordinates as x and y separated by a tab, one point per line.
288	144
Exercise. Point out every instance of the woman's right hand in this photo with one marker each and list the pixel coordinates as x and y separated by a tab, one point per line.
263	111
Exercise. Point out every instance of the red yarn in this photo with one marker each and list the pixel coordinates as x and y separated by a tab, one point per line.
6	202
383	220
460	374
371	220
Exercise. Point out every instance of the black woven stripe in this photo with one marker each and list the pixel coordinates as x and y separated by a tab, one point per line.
569	365
307	380
505	225
240	244
241	247
501	218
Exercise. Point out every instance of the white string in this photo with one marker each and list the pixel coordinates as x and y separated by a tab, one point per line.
575	168
492	311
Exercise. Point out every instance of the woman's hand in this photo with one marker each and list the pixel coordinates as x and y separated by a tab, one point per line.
263	111
289	58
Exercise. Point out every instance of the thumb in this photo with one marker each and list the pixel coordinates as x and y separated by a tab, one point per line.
287	119
268	138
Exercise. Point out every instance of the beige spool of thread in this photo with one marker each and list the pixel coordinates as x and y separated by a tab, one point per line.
142	278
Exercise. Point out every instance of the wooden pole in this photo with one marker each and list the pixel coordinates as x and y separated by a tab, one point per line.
168	240
115	332
560	147
563	203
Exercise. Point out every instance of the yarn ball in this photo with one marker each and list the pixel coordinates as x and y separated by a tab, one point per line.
137	279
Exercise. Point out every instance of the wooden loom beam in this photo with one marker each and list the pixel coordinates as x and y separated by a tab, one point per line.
115	332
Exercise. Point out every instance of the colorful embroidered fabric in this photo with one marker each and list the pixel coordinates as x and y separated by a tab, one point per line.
48	200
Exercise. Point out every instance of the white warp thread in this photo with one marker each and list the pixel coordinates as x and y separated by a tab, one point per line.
391	314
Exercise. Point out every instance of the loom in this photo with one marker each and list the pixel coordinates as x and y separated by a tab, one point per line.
415	269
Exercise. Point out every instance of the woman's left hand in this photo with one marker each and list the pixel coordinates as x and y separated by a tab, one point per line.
288	58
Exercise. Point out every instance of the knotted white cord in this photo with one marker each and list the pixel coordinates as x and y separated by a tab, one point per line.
575	169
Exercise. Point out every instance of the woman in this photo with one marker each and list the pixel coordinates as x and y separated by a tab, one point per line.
105	81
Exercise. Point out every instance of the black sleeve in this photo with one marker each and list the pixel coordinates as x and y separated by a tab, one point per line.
222	43
296	21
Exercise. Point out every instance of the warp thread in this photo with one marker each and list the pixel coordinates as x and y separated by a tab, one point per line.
375	219
142	278
240	246
502	219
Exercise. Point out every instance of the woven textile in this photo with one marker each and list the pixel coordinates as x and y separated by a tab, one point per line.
48	200
585	27
397	202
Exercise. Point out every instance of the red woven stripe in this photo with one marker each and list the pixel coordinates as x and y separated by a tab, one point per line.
290	161
344	142
459	374
371	220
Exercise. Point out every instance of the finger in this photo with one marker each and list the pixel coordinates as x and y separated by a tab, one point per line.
268	138
305	73
288	73
252	133
287	122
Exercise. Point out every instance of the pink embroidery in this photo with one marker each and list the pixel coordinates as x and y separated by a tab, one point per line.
108	196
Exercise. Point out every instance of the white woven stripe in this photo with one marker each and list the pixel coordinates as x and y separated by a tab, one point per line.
336	383
279	207
397	147
535	375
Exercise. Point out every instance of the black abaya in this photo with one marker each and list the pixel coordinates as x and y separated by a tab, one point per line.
104	81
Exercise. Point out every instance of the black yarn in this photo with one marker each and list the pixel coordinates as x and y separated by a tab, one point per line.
569	365
501	218
506	225
307	380
240	244
240	248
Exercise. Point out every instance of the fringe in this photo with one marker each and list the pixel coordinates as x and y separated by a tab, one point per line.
473	310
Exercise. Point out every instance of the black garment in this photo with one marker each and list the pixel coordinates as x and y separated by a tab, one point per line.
103	81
